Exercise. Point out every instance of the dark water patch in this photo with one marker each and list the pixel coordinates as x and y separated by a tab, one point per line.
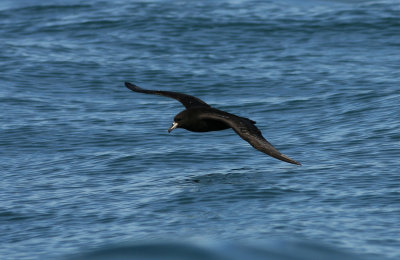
215	251
6	216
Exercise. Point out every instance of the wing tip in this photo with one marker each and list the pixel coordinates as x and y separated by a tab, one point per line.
294	162
132	87
289	160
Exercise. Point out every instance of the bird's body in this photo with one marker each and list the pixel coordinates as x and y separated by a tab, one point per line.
197	122
201	117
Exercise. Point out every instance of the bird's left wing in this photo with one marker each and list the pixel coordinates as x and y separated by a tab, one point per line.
245	128
186	100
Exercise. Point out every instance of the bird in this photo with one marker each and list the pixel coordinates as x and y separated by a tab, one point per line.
201	117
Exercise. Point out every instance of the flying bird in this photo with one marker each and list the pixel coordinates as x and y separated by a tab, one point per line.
201	117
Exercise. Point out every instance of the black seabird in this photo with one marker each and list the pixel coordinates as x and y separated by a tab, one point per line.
201	117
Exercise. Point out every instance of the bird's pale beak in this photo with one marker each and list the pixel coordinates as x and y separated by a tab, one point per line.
173	126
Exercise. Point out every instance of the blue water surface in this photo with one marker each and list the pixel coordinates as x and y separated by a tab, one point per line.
86	163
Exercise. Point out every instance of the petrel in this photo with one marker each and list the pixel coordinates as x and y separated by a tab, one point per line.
201	117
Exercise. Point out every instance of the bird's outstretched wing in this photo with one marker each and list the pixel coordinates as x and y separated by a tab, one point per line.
186	100
247	131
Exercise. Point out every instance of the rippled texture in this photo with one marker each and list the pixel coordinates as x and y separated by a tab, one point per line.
87	163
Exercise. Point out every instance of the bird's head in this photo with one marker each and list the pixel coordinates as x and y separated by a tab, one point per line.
180	121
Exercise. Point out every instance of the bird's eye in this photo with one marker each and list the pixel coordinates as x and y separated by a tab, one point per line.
178	119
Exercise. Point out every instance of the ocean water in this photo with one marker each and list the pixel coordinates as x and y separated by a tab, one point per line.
86	164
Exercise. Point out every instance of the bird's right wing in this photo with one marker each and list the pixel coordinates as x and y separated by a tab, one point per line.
186	100
246	129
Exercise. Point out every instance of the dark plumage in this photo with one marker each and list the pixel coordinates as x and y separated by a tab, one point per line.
201	117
